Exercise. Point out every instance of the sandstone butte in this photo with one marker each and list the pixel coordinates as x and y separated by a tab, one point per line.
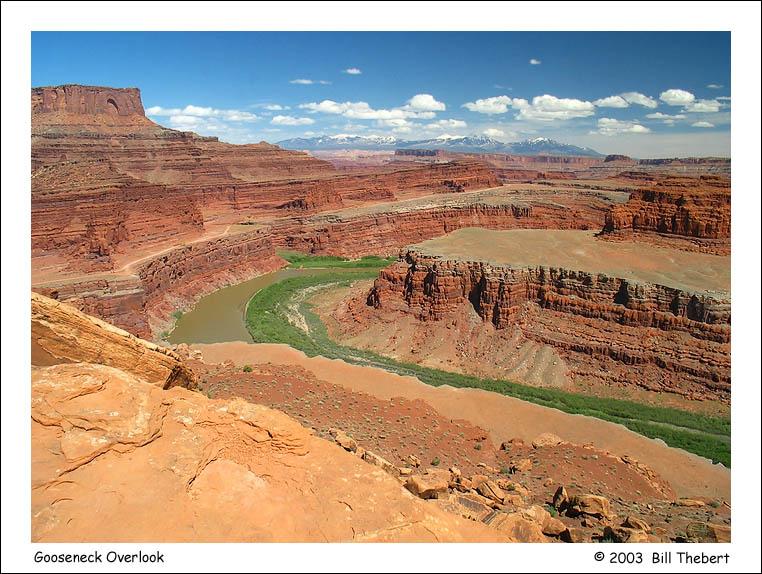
108	435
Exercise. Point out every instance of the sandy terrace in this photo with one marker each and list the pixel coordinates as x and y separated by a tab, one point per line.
582	251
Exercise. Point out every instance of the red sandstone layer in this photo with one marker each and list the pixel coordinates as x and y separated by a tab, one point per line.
695	209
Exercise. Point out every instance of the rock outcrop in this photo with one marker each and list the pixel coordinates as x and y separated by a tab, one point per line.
62	334
174	466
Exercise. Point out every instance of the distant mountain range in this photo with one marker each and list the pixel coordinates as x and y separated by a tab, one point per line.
468	144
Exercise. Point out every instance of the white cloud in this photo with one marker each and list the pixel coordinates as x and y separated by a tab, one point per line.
548	108
494	133
494	105
393	123
703	106
353	71
275	107
424	103
201	112
624	100
612	102
535	62
666	118
417	107
702	125
291	121
714	86
723	98
187	121
639	99
448	124
675	97
307	82
610	127
661	116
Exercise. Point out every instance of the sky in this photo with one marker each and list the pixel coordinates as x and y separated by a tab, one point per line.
644	94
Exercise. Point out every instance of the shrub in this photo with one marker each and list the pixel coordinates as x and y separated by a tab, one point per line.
478	446
247	369
436	461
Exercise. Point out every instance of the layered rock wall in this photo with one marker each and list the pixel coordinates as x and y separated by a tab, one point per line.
697	215
680	340
433	287
386	232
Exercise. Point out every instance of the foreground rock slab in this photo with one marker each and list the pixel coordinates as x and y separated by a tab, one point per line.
117	459
62	334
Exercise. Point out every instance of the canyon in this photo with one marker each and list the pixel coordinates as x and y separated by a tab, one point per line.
606	277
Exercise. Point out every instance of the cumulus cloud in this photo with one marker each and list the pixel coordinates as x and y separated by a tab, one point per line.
549	108
702	125
393	123
274	107
666	118
610	127
448	124
624	100
675	97
494	105
703	106
308	82
612	102
424	103
636	98
291	121
201	112
494	133
535	62
542	108
353	71
422	106
714	86
723	98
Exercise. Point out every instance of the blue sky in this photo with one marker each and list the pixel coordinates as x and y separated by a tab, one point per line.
644	94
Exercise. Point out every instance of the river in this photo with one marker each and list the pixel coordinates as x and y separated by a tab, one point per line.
220	316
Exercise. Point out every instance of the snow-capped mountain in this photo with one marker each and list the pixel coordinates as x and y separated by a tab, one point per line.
466	144
469	144
547	146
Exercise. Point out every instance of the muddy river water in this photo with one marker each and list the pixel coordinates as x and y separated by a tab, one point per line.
220	316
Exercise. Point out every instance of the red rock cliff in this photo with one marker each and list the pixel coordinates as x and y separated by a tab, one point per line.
690	207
